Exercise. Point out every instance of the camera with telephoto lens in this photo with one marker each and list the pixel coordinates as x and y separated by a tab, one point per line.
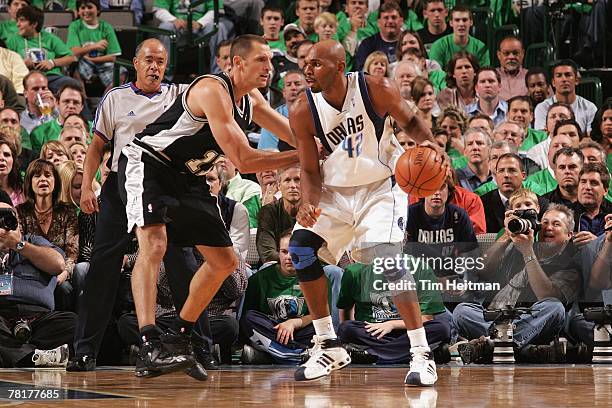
600	315
22	330
527	220
8	219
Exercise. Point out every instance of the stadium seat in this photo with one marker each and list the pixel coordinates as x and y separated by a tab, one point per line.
501	33
58	18
483	18
118	18
539	55
590	88
486	240
253	256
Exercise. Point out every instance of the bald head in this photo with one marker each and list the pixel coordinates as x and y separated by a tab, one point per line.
150	43
330	50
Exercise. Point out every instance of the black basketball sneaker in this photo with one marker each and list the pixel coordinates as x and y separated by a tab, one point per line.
171	353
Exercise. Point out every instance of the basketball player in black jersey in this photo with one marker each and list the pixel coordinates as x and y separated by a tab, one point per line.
162	174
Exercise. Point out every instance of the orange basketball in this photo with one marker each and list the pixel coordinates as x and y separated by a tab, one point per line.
419	171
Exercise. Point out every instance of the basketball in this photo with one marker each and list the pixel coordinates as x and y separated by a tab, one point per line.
419	171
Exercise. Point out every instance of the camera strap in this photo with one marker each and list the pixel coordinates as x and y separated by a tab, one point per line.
6	277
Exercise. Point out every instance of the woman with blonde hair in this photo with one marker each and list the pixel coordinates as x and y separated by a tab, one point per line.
55	152
377	64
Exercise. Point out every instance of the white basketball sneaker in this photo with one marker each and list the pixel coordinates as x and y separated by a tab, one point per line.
326	356
57	357
422	368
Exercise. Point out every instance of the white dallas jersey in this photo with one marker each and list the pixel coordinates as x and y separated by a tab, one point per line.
361	146
126	110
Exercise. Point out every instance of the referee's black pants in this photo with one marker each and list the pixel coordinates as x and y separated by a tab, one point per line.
95	304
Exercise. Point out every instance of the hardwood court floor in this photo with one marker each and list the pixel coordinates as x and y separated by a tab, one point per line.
458	386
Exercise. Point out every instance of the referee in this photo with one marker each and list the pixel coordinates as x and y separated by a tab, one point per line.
124	112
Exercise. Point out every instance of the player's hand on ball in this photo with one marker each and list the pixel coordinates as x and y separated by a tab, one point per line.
307	215
441	153
89	201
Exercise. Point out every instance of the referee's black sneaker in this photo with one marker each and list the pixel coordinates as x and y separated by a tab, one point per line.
171	353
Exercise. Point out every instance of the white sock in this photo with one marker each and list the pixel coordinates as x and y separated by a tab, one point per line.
324	327
417	338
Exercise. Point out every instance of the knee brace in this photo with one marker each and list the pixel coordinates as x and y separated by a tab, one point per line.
303	248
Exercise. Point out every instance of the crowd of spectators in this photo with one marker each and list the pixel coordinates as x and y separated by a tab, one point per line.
518	139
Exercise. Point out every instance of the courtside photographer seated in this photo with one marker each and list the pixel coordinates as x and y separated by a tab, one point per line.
31	332
540	275
596	262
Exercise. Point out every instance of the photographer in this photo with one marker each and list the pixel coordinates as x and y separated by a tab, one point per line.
31	333
597	276
543	277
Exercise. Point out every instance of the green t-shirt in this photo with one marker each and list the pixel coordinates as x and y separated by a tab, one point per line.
7	28
44	133
66	4
438	79
45	46
458	161
541	182
364	289
485	188
180	10
272	293
609	162
278	44
533	138
25	140
79	35
253	205
442	50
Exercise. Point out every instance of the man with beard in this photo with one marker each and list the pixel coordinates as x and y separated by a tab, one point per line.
511	54
284	62
294	83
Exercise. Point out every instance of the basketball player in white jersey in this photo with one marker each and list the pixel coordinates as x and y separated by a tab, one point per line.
163	185
350	200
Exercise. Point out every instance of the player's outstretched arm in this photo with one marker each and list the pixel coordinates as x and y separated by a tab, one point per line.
268	118
386	99
209	99
303	128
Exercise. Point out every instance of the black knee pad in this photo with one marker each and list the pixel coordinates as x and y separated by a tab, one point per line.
303	248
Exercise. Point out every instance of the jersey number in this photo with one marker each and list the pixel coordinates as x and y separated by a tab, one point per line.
353	146
199	167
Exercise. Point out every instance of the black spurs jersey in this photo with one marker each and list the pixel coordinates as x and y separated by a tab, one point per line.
185	142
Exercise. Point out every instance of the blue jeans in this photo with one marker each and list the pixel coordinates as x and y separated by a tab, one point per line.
545	322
